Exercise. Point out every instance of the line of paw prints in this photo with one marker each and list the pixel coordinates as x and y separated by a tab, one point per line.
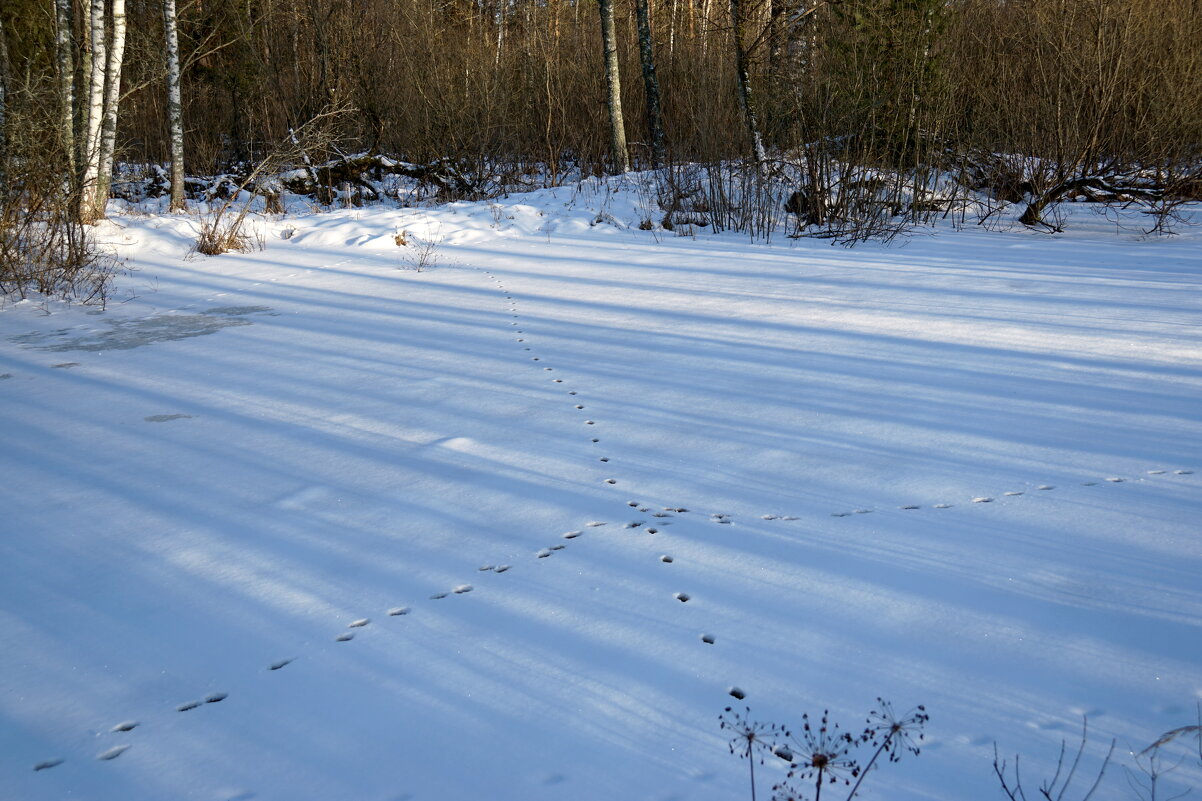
659	518
573	394
1016	493
346	635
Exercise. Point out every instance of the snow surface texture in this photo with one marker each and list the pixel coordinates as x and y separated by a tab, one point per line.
309	524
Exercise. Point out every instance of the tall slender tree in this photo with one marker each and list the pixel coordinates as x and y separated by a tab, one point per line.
613	87
175	123
746	96
655	117
97	48
63	18
112	99
3	111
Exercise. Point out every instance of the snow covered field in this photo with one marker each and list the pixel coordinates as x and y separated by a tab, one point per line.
326	527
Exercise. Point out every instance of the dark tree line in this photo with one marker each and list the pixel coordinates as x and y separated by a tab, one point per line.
1025	100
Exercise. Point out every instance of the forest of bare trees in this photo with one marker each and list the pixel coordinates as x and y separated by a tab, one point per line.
856	106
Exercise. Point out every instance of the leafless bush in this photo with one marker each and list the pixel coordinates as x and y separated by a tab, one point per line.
1146	776
222	229
422	253
44	249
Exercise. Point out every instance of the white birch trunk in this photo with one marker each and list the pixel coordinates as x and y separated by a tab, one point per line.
94	112
613	86
66	84
112	98
175	122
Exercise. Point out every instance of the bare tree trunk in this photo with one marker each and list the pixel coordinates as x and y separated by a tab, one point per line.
3	112
655	118
95	112
175	122
613	86
746	99
112	98
66	84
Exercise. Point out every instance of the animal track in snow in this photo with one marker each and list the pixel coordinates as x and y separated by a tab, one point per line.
1012	493
358	624
216	698
556	547
281	663
47	764
502	568
571	535
683	597
398	610
190	705
346	636
438	596
544	553
594	523
462	588
128	725
112	753
666	559
708	639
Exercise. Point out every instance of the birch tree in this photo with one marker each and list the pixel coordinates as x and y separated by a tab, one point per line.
96	46
175	122
112	98
66	86
104	95
613	87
